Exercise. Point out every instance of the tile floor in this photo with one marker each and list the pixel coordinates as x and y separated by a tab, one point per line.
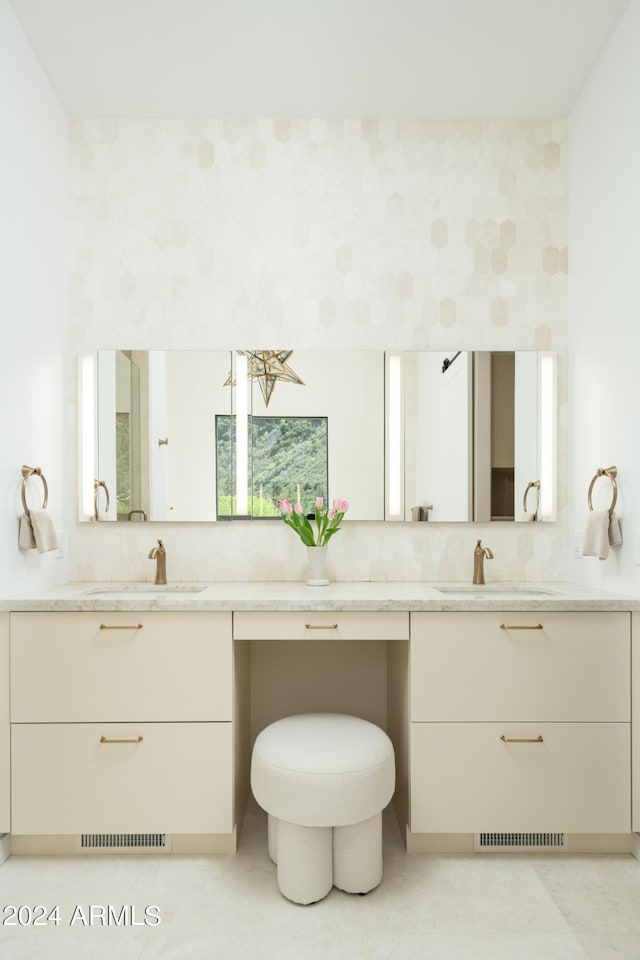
487	907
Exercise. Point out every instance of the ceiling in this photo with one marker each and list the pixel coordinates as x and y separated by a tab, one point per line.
221	58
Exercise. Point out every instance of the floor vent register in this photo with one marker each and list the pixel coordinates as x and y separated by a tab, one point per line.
125	842
517	842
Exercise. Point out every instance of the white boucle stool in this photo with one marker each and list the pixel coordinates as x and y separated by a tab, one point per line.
324	779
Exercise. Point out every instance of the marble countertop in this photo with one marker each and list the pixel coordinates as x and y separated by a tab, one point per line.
338	596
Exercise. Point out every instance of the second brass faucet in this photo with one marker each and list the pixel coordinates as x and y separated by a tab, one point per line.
159	554
479	555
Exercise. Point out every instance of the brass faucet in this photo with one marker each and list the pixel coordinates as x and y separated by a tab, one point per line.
479	554
159	554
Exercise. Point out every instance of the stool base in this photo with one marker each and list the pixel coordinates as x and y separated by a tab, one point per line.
272	838
357	855
305	862
312	860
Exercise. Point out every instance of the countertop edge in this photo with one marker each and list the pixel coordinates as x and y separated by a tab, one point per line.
359	596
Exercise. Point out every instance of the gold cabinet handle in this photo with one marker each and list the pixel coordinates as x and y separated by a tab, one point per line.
134	740
511	626
124	626
321	626
537	739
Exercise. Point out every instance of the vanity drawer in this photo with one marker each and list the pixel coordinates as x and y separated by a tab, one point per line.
465	779
307	625
466	666
177	779
103	666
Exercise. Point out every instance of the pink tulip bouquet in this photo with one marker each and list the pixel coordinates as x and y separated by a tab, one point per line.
327	520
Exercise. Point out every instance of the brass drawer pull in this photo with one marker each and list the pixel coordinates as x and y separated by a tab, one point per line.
134	740
533	626
537	739
321	626
130	626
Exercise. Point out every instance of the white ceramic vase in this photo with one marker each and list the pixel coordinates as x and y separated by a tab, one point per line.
317	557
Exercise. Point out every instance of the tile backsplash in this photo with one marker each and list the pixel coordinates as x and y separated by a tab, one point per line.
380	233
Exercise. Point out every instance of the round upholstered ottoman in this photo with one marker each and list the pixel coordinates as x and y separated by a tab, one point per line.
324	779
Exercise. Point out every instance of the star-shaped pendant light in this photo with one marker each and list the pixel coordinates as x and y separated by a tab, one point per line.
267	367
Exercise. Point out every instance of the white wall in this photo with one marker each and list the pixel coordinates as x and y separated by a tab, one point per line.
604	299
33	356
297	234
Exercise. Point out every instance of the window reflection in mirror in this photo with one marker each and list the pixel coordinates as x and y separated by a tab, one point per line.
288	459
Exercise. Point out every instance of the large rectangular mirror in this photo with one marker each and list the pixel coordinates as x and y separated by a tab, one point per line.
223	435
478	436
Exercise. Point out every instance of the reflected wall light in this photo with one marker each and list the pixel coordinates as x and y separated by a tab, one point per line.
87	413
547	387
242	435
394	505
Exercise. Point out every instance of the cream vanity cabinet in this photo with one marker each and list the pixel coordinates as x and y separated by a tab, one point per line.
519	722
319	661
121	723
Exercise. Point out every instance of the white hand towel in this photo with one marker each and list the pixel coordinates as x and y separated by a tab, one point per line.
595	539
529	517
43	531
601	531
26	539
615	534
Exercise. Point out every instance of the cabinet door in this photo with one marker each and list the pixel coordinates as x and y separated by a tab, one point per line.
520	666
120	666
465	779
176	779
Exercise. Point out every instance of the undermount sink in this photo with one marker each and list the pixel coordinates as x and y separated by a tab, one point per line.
148	589
477	591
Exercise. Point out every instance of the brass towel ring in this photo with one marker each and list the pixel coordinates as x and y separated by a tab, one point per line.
536	485
611	473
33	472
96	489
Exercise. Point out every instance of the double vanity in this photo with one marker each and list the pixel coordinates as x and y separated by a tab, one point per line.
129	711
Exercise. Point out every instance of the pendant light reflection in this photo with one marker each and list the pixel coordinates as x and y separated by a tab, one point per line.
266	367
